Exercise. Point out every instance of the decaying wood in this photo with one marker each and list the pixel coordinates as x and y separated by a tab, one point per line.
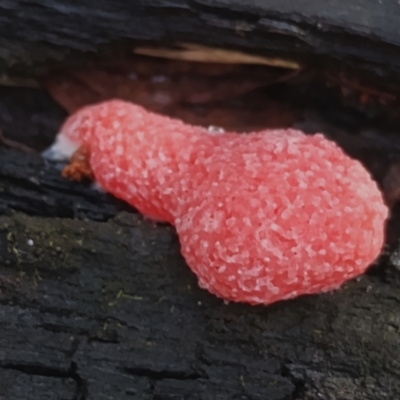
207	54
97	303
363	33
109	310
160	85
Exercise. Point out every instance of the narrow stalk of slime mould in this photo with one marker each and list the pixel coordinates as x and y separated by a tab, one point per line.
261	217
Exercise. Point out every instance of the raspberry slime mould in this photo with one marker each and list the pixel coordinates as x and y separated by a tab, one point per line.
261	217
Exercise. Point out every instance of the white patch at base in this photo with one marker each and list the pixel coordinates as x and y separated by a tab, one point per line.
97	187
61	150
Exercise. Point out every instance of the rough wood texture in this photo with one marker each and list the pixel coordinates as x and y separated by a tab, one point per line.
102	306
362	32
108	310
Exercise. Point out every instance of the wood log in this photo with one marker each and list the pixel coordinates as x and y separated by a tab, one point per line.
108	309
362	33
97	303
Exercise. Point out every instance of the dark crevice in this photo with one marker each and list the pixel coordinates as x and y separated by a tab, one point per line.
160	375
38	370
53	372
81	385
299	384
221	11
62	329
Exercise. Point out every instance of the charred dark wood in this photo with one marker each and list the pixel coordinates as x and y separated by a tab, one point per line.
97	303
363	33
109	310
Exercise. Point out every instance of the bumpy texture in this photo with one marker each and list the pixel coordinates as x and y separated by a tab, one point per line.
261	217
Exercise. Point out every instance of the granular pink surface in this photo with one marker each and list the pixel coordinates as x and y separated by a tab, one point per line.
261	217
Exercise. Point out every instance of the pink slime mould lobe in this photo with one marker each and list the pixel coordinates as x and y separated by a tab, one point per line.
261	217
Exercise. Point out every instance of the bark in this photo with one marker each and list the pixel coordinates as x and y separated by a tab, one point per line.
107	309
363	33
97	303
